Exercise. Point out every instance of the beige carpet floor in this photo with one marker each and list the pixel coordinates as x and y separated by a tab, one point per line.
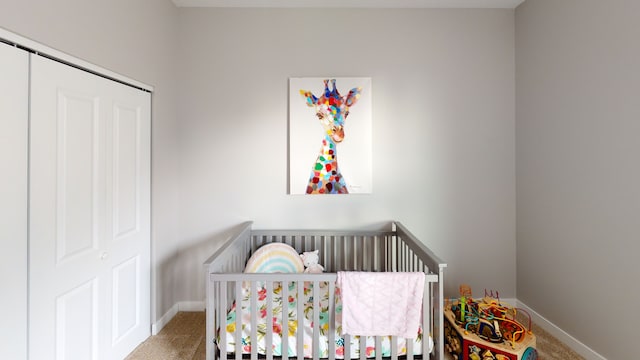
550	348
183	338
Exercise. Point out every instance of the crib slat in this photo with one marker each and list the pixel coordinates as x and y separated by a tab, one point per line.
340	254
375	253
332	321
387	253
254	321
412	259
354	252
378	348
393	344
337	253
300	321
373	247
343	254
370	246
426	317
384	254
363	347
409	260
316	320
269	321
400	259
238	298
361	261
347	346
405	257
284	348
349	254
397	250
323	245
222	315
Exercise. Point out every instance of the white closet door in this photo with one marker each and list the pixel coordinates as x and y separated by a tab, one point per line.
14	121
89	216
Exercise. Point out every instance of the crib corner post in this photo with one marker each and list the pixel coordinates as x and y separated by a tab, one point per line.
439	310
209	317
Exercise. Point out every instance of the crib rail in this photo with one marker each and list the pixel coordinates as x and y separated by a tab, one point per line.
233	254
390	250
339	250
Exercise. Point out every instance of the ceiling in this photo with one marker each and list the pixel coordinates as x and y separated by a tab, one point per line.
495	4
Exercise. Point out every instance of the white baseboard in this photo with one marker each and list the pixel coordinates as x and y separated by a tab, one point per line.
179	306
560	334
164	320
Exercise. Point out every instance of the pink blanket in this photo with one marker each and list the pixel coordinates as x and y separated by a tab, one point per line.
381	303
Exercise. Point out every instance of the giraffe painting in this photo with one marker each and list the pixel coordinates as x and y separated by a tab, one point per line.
327	114
332	110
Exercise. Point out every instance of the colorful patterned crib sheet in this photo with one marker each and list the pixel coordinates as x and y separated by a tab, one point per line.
308	328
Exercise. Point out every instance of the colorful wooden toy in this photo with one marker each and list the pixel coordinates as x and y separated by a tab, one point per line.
486	329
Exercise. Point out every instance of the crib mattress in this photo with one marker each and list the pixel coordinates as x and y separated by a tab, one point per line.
308	327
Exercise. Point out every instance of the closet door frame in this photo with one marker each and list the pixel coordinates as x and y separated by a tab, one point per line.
14	122
19	338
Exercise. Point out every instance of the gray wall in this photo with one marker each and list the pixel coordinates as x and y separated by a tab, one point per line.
136	39
443	122
443	128
578	179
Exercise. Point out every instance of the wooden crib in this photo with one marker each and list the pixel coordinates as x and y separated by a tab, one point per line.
393	250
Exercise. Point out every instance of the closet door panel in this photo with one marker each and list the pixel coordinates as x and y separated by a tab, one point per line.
67	168
127	153
78	155
14	110
77	317
128	189
89	219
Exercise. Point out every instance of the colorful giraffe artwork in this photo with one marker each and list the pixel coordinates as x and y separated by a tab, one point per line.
341	126
332	110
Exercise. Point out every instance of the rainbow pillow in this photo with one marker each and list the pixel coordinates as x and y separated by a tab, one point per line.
275	258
